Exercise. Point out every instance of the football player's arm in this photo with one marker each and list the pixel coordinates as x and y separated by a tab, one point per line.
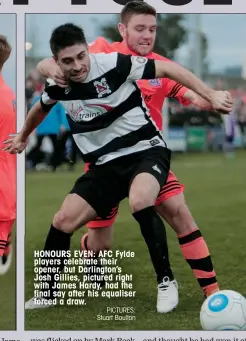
37	114
196	100
46	67
165	69
184	95
34	117
136	68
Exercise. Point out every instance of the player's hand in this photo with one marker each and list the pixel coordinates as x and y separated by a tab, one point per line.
222	101
15	144
57	75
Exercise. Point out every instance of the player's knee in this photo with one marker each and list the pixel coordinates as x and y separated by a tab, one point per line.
63	222
139	202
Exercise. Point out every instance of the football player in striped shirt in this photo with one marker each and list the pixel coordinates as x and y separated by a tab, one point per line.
125	149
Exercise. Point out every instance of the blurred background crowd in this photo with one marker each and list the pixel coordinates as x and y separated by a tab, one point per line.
51	145
216	56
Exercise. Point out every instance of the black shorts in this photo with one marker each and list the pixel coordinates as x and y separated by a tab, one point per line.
104	186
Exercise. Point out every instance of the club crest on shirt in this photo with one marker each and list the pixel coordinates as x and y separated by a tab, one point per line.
102	87
156	83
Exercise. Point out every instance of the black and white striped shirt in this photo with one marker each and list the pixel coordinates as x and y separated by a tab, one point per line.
106	112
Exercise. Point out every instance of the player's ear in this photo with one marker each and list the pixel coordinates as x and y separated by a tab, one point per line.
122	30
55	58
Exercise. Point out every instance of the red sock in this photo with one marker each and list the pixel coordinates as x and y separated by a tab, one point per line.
8	245
196	254
5	234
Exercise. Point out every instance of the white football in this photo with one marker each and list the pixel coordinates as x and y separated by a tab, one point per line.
224	310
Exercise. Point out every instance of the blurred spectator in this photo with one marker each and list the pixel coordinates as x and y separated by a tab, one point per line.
29	92
68	148
54	126
240	113
229	131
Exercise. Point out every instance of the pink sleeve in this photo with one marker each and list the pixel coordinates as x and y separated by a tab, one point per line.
176	90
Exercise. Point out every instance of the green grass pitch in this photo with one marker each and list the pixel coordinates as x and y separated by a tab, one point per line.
215	192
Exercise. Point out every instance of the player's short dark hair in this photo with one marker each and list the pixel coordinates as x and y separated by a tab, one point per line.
136	7
5	50
66	35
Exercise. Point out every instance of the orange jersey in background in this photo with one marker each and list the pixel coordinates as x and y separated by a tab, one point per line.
7	161
154	91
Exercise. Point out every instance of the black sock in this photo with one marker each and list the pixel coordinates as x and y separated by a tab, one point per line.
59	242
154	233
